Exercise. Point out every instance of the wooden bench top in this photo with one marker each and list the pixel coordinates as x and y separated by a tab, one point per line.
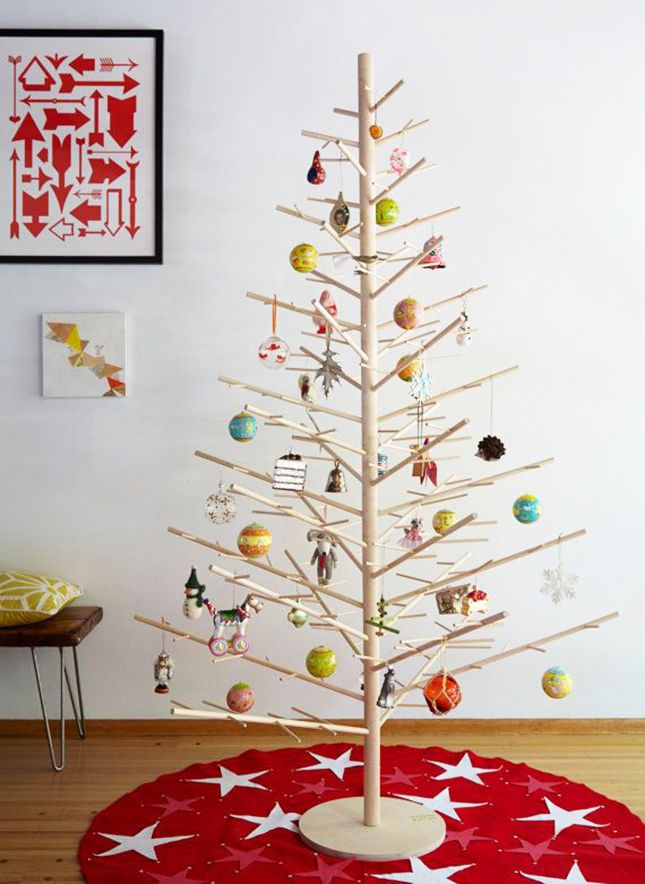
67	628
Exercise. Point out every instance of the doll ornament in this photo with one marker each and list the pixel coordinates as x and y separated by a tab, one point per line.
164	669
324	557
413	535
386	697
194	596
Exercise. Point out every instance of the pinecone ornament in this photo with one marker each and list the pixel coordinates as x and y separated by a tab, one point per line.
490	448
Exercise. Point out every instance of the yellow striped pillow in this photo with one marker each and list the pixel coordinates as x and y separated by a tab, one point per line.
26	597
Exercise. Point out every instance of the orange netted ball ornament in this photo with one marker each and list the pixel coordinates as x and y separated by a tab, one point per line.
442	693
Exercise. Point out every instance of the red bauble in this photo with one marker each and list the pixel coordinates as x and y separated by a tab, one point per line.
442	693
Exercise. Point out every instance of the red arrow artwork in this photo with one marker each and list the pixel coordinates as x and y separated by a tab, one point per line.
15	61
14	227
114	211
131	153
121	112
29	100
85	212
55	119
81	64
61	161
80	177
62	229
35	207
41	178
84	232
28	132
68	83
105	170
93	194
96	136
132	200
108	65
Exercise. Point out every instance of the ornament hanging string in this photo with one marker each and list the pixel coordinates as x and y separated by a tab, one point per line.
492	396
274	314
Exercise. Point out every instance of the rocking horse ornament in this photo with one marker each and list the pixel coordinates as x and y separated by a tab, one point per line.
232	617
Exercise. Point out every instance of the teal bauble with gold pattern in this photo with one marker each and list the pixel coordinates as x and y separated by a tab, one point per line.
243	427
527	509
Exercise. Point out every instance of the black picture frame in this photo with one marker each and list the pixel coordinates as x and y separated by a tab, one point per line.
157	35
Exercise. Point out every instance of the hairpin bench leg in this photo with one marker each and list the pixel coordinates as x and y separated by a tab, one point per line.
80	719
55	765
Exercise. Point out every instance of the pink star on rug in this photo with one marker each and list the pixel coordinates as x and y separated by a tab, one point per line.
318	788
177	878
463	837
534	785
173	805
398	776
245	858
613	844
328	873
536	851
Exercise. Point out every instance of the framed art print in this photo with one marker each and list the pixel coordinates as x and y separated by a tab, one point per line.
81	146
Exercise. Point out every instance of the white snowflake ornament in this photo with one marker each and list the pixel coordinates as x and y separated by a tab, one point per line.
420	385
559	583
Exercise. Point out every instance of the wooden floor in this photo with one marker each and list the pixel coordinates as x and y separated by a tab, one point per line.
43	814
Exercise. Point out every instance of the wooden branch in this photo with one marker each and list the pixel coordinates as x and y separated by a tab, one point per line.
321	136
229	714
335	282
350	157
283	397
400	366
334	454
414	601
435	586
407	174
288	305
413	223
534	645
305	724
413	262
409	127
342	374
425	545
471	385
410	686
421	451
302	428
345	112
288	510
328	201
246	471
386	96
263	566
332	321
296	213
437	642
327	725
340	240
231	577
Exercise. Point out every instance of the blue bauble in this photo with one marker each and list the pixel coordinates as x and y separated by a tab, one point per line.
527	509
243	427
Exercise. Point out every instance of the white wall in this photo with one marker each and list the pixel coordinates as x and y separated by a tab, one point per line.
538	128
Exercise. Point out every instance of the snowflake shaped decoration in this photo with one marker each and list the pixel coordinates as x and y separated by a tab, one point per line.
420	385
559	583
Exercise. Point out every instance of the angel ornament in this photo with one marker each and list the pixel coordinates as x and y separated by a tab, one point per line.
324	557
413	535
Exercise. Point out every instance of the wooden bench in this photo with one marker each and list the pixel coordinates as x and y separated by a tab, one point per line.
67	629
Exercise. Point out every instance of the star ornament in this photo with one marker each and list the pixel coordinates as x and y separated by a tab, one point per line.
227	780
462	770
328	873
337	766
575	876
276	819
442	803
563	819
141	842
422	874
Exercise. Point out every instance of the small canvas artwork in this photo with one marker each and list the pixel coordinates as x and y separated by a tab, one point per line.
84	355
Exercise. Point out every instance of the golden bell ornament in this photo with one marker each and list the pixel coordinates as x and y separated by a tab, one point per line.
336	481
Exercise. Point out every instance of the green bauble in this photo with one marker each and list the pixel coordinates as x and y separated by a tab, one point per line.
321	662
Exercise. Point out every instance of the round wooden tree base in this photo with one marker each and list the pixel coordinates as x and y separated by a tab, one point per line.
336	828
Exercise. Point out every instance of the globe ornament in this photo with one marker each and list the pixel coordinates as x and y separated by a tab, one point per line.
220	507
243	427
387	212
443	520
527	509
240	698
297	617
407	372
321	662
442	693
273	353
408	313
254	541
304	257
557	683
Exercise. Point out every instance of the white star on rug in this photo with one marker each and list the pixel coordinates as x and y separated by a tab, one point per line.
229	780
422	874
575	876
562	818
277	819
462	770
337	766
142	842
441	803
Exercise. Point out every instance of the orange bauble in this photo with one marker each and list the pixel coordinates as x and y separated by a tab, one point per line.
442	693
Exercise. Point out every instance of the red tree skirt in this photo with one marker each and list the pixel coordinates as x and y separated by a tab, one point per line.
236	820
